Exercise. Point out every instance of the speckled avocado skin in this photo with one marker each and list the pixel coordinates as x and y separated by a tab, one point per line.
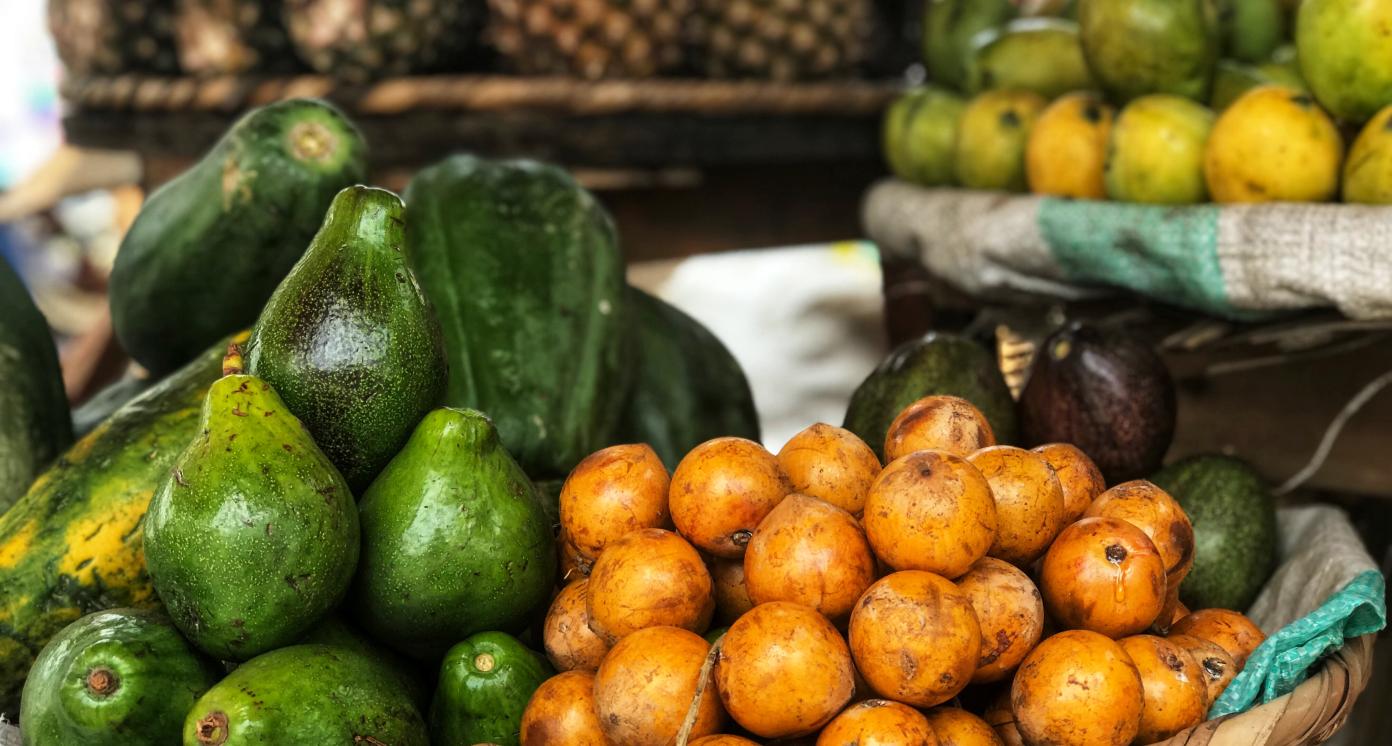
349	341
455	540
253	538
307	694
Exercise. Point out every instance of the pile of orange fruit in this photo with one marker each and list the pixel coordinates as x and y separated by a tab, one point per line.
866	603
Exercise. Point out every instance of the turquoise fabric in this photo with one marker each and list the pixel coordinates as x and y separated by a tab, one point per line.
1162	252
1285	658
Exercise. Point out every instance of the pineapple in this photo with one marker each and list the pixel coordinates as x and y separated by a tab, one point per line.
361	40
590	38
782	40
224	37
104	37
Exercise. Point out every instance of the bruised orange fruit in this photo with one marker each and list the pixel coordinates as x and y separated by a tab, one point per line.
1173	689
832	464
1215	663
562	710
878	722
1153	511
1002	719
721	490
1029	501
1077	687
812	553
646	684
1229	630
1104	575
1011	614
1080	478
612	492
915	638
956	727
722	739
569	641
940	423
649	578
783	670
731	592
930	511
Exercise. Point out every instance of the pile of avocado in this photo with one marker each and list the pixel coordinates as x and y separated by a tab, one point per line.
341	507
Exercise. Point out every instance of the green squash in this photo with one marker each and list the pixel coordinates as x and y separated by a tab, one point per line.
208	248
689	387
34	420
485	684
454	540
114	678
72	544
307	694
523	267
348	340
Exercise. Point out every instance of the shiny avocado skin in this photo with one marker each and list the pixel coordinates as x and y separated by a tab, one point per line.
485	684
455	540
310	695
349	341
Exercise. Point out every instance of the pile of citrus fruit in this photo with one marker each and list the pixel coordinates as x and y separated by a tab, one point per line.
964	593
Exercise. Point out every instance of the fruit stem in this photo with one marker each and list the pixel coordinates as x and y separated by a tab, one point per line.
684	735
484	662
232	361
102	681
212	728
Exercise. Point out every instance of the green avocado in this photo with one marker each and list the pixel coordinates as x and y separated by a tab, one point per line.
1234	517
415	679
307	694
934	364
455	540
35	425
485	684
348	340
948	29
1139	47
253	537
114	678
208	247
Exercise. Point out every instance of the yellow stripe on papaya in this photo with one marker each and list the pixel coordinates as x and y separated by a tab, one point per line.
16	547
108	544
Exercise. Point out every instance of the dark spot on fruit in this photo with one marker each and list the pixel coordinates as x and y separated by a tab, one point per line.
287	448
1010	119
1302	100
236	410
741	538
1214	667
1172	662
1116	553
1093	113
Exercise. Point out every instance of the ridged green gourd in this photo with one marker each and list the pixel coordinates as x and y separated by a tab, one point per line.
349	341
485	684
253	537
523	267
208	247
688	387
72	544
114	678
307	695
454	540
34	422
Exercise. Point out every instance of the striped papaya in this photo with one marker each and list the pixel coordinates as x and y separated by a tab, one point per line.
71	545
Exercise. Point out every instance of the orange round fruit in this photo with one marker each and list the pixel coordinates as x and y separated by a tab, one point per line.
915	638
562	710
878	722
938	423
1104	575
645	686
1173	689
832	464
1011	614
1002	719
649	578
783	670
731	592
722	739
1081	479
1153	511
721	490
612	492
1230	630
930	511
1077	687
812	553
1029	502
569	641
1215	663
572	564
956	727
